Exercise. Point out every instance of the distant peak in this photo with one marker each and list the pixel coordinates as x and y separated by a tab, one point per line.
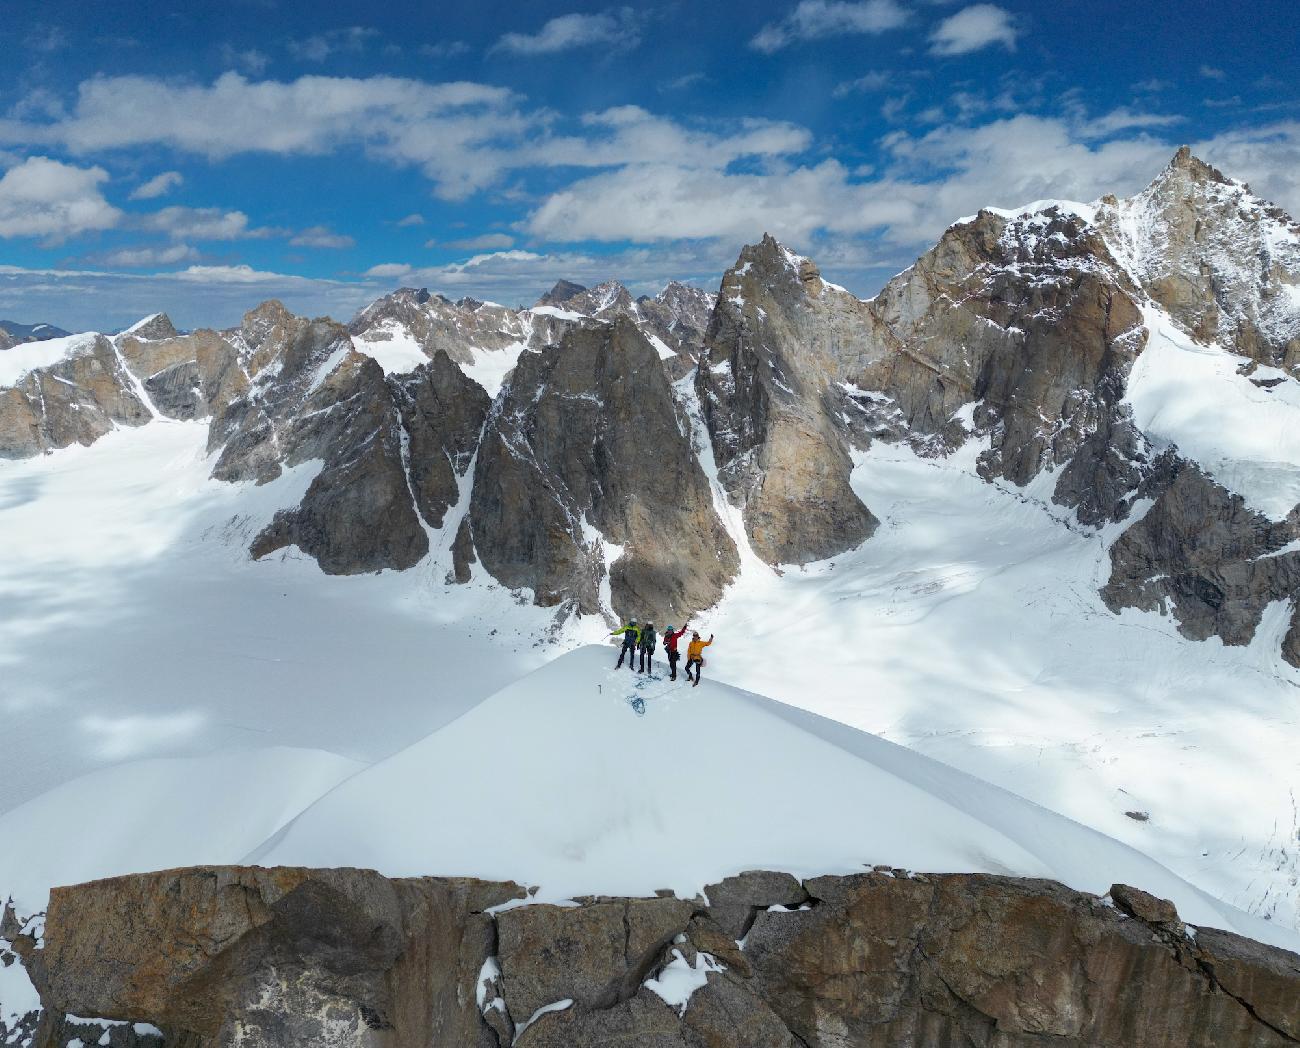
562	292
153	327
1186	161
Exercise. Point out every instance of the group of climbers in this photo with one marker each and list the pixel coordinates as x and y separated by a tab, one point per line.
641	639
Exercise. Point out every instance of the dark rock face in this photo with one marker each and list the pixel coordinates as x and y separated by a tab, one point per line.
765	387
238	956
984	960
1208	555
561	294
1044	335
588	435
443	413
358	514
233	956
597	954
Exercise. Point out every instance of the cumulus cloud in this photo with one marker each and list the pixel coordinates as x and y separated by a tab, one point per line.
974	28
151	256
817	19
457	132
322	237
202	223
924	183
159	185
1267	157
1125	119
388	269
463	136
410	220
45	198
1213	73
615	28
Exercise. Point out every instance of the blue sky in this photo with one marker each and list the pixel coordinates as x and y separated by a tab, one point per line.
202	159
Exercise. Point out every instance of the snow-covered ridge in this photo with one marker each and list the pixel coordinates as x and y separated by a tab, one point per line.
17	361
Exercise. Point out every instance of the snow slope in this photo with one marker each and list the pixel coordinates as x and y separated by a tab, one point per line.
558	782
16	361
970	629
394	348
1197	398
133	625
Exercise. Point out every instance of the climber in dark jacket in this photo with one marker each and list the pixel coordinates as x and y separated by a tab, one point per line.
630	635
671	637
647	648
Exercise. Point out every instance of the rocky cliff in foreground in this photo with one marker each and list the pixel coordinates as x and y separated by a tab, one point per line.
241	956
605	455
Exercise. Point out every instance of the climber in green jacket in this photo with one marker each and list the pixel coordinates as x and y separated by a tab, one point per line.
631	638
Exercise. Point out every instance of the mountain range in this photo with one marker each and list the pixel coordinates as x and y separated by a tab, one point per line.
567	449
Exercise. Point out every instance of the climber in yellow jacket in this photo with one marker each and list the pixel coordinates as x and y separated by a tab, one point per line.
695	657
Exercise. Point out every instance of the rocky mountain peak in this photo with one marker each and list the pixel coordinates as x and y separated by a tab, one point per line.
1186	164
157	326
561	293
1224	263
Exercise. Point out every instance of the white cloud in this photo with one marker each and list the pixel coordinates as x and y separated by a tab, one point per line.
386	270
817	19
241	274
322	237
972	29
615	28
872	81
249	60
320	46
924	184
149	256
202	223
1124	119
45	198
650	203
463	136
457	132
1267	157
1212	73
486	242
159	185
410	220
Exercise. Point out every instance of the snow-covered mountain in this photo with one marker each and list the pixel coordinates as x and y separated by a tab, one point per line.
1031	511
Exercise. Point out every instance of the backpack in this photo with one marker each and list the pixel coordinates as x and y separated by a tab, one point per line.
648	639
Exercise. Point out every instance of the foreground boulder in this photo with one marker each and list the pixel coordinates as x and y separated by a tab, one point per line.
227	956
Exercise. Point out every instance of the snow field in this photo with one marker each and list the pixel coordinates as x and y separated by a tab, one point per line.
970	629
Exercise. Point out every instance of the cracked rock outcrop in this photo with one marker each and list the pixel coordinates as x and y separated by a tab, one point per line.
238	956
